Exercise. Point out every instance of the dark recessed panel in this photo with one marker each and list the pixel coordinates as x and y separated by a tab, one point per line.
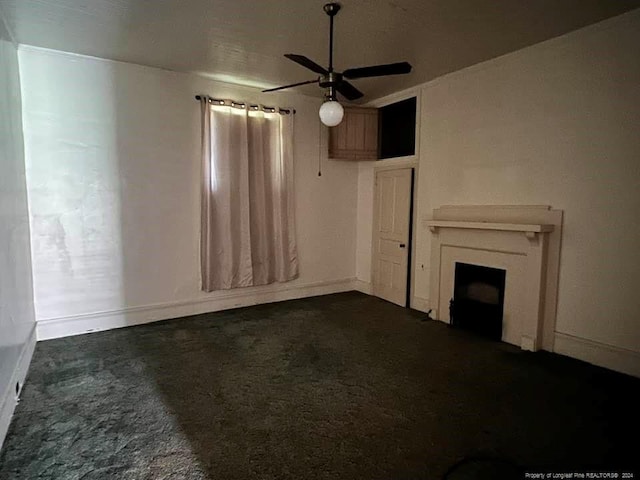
478	299
397	129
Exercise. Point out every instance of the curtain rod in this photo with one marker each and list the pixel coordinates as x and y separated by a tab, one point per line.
233	103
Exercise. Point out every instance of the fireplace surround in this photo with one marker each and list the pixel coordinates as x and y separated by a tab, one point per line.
524	241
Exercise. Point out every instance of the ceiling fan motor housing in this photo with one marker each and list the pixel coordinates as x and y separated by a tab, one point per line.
331	79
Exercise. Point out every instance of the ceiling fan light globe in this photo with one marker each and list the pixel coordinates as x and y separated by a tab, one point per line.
331	113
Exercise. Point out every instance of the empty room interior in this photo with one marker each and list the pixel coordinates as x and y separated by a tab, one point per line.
285	240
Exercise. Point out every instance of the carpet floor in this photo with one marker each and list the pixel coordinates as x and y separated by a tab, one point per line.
332	387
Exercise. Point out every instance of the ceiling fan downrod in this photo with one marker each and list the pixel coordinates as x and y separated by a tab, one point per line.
332	10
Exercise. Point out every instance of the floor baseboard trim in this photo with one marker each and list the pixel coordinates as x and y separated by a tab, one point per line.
603	355
96	322
420	304
362	286
10	397
417	303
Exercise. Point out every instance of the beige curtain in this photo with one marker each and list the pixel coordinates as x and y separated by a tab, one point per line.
248	224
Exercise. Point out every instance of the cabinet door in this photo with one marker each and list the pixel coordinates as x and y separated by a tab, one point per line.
356	137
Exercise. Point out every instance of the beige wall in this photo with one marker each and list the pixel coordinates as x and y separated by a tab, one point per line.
17	337
113	167
557	123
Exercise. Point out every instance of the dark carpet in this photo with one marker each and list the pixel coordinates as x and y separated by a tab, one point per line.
339	386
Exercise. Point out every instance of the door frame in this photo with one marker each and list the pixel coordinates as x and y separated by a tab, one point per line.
400	164
411	161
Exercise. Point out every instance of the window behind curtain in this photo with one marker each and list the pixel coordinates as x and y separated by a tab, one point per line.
248	224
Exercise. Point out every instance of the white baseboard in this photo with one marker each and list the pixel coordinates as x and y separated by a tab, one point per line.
9	398
608	356
362	286
99	321
419	303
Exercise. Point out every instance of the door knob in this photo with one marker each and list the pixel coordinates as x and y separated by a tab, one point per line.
402	245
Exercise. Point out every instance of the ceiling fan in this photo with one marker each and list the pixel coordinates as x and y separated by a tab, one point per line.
331	111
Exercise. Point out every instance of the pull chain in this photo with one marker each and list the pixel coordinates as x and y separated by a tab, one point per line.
319	148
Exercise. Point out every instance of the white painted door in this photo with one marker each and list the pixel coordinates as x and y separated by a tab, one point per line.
392	204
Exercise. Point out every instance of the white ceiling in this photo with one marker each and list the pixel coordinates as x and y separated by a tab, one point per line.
242	41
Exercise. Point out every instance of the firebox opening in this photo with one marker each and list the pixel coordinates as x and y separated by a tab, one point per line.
478	299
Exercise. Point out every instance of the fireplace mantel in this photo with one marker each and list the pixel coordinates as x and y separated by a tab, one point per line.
524	241
529	229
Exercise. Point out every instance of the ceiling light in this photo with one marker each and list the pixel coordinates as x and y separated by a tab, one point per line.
331	113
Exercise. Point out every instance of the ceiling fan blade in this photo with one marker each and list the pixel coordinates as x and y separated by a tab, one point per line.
307	63
348	91
378	70
290	86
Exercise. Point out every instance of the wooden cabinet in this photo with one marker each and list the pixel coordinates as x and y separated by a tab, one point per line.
356	137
